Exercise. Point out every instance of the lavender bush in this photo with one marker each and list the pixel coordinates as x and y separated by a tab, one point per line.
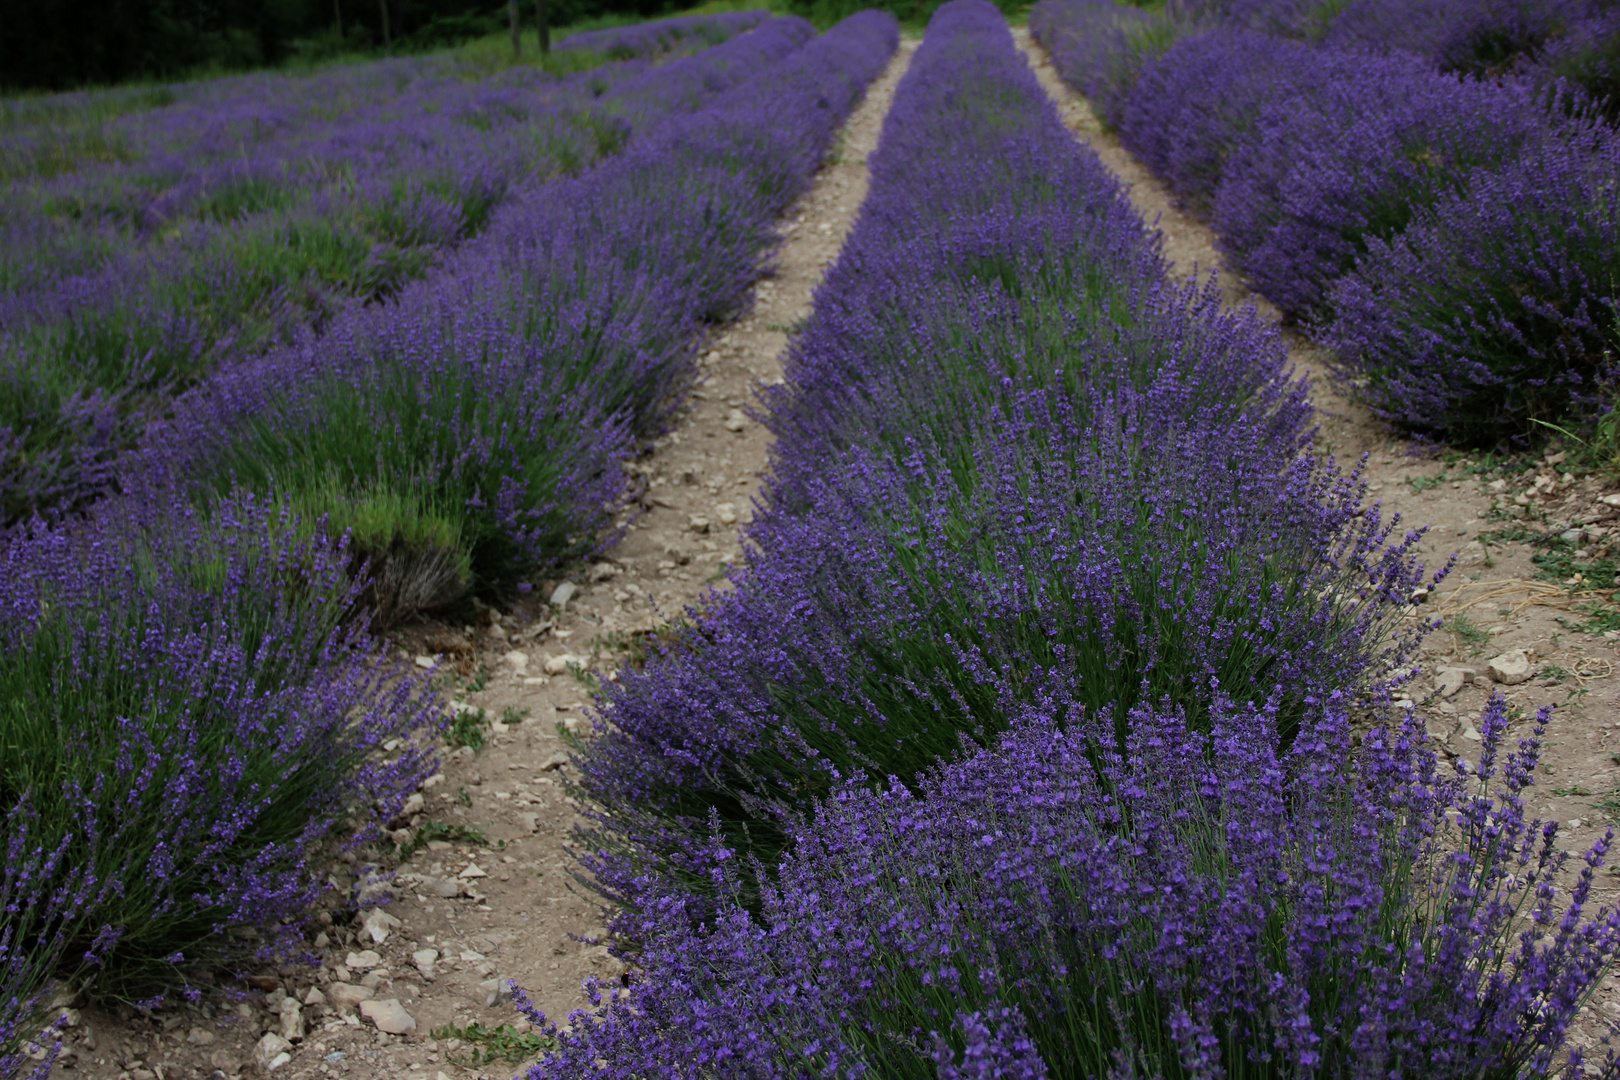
1494	309
1100	47
1323	175
1192	904
477	424
190	723
185	254
642	39
1010	458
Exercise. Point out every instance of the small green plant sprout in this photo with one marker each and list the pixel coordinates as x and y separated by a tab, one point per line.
584	675
1466	632
468	728
485	1046
438	830
1426	483
511	716
1568	792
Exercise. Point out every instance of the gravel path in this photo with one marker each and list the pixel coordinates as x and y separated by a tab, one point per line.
470	915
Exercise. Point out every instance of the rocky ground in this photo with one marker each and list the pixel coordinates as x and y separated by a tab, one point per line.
485	892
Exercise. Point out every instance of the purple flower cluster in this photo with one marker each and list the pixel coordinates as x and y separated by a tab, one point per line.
1195	903
127	279
191	721
1446	233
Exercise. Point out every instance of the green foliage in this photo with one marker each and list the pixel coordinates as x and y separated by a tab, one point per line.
468	728
490	1045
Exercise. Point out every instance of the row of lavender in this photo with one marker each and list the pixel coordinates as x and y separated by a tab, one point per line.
196	717
1021	748
229	223
1450	237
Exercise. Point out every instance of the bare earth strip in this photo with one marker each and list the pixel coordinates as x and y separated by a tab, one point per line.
1494	583
471	915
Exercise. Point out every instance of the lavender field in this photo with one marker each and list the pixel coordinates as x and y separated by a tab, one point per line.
1055	718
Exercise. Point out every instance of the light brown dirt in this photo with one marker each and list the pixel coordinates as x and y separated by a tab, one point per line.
522	915
1494	584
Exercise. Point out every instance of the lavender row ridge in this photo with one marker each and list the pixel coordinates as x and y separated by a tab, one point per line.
1354	166
195	704
1041	735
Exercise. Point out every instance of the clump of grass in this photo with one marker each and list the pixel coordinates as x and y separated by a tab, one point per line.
488	1045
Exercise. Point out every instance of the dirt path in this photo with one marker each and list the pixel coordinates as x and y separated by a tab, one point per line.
1493	588
488	895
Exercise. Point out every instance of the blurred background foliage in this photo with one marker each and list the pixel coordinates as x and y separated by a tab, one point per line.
68	44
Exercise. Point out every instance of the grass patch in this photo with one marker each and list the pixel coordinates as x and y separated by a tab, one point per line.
486	1045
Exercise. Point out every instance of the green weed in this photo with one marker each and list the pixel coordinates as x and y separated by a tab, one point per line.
489	1045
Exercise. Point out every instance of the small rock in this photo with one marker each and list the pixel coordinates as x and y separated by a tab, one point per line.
557	665
1511	668
494	991
517	660
314	997
198	1036
377	924
697	523
530	822
1471	734
269	1048
345	998
555	761
425	959
373	979
473	871
142	1074
735	421
440	887
266	983
389	1015
1572	536
426	662
413	805
602	571
360	961
1610	500
1450	681
292	1020
433	781
726	512
563	593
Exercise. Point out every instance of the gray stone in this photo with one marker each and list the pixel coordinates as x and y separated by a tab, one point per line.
440	887
292	1020
735	420
563	593
389	1015
199	1036
345	998
517	660
495	991
1511	668
1450	681
314	997
271	1052
377	925
361	961
425	959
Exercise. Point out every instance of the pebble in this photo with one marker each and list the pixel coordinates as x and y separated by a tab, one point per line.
1511	668
473	870
292	1020
314	997
556	665
697	523
440	887
424	959
200	1037
426	662
389	1015
555	761
563	593
494	991
360	961
378	923
726	512
1450	681
271	1052
345	997
517	660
